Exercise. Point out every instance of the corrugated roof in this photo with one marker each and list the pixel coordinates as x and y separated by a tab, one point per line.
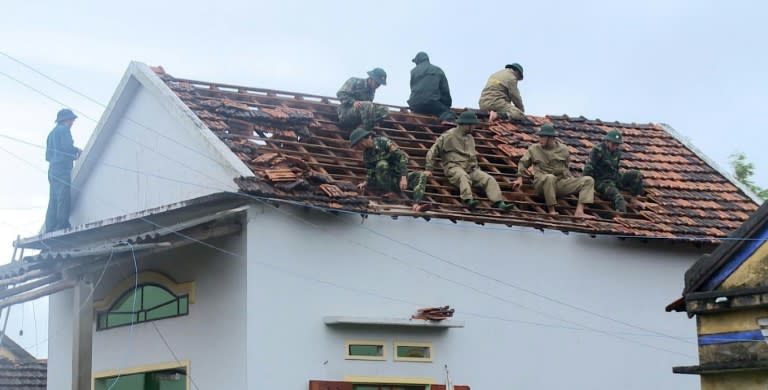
297	152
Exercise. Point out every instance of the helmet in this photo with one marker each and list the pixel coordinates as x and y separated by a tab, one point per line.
613	136
378	75
65	114
547	131
517	67
358	135
467	118
420	57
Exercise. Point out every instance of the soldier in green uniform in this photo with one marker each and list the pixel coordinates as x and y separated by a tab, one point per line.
430	94
356	97
501	97
387	167
551	176
456	150
603	165
60	152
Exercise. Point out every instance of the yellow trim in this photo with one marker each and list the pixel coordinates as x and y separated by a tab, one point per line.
187	288
732	321
392	380
383	344
139	369
412	344
751	273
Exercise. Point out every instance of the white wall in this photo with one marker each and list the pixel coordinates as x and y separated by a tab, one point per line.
154	170
60	344
323	270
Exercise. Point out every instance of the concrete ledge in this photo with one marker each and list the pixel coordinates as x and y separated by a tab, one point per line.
406	322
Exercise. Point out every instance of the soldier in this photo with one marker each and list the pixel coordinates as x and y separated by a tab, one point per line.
501	97
356	96
387	167
456	150
551	176
430	94
603	166
60	152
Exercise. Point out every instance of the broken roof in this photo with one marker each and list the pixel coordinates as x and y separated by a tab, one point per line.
296	151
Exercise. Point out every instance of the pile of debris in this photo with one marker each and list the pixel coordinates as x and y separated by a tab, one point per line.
282	176
433	313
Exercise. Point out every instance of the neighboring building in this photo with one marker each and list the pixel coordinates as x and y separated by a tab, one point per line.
19	370
177	226
727	291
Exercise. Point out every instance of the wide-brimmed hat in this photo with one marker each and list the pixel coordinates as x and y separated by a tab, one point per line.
358	135
467	118
378	75
547	131
517	67
65	114
614	136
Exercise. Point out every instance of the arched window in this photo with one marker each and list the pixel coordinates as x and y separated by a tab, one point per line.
148	301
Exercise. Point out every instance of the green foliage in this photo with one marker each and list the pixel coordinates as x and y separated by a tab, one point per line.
744	170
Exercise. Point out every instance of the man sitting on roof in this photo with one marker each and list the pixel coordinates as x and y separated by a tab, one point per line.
430	94
456	150
356	96
501	97
603	166
551	176
387	168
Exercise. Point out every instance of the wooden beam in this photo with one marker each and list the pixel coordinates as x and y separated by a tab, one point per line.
37	293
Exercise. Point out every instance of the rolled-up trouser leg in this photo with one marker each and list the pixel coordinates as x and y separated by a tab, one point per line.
460	178
545	186
487	183
417	182
584	185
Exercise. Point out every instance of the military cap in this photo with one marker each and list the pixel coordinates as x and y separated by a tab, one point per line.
378	75
65	114
517	67
467	118
358	135
547	131
613	136
420	57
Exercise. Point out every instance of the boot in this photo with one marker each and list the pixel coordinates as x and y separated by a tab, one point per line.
471	203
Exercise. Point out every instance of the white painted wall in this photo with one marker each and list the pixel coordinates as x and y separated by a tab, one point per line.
60	344
138	169
323	269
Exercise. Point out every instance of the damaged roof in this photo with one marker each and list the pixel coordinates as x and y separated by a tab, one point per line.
297	152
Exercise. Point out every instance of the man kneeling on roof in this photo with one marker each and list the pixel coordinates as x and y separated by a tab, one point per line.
551	175
603	166
356	97
456	150
387	168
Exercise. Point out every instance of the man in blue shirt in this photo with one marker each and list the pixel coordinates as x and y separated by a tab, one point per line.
60	152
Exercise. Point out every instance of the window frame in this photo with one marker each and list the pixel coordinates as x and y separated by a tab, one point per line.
383	344
397	358
184	364
141	309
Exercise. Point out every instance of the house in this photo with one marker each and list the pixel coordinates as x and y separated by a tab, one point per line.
219	242
19	370
727	291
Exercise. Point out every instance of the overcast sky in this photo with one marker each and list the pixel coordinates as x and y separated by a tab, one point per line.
698	66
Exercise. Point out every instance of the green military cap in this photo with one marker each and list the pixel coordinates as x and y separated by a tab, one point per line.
378	75
467	118
65	114
358	135
517	67
614	136
420	57
547	131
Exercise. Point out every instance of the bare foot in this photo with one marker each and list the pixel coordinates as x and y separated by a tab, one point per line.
583	215
638	204
421	207
492	116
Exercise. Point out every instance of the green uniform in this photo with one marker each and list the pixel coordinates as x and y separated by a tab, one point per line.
357	89
429	92
603	166
501	95
386	164
551	176
60	152
457	152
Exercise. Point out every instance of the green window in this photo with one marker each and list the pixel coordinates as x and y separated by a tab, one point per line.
365	350
413	352
175	379
147	302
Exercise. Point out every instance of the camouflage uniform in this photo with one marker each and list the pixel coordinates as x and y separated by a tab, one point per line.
459	157
552	177
357	89
499	92
603	166
386	164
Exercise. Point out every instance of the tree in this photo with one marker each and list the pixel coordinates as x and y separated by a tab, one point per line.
744	170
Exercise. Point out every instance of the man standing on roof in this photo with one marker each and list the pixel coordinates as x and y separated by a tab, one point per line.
603	166
551	176
430	94
387	167
501	97
456	150
356	97
60	152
